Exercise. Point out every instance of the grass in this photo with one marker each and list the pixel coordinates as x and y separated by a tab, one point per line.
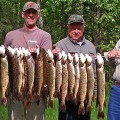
3	113
52	113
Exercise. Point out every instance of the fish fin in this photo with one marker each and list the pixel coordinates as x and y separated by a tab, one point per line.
88	108
30	96
71	96
45	91
4	101
75	100
50	103
62	107
57	94
100	115
104	103
67	97
81	110
27	104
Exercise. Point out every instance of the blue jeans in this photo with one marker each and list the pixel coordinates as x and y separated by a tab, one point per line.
114	103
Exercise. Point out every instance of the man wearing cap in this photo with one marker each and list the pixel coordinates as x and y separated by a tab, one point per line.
75	42
29	37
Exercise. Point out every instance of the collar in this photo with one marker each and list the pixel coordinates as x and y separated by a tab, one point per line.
27	29
83	40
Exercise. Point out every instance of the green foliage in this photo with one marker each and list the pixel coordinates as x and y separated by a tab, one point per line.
101	16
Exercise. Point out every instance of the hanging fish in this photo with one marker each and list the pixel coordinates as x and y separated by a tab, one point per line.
51	77
82	84
58	78
77	77
4	78
39	74
90	82
64	85
71	76
100	85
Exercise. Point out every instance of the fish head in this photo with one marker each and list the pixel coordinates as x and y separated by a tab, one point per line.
75	58
2	50
64	57
49	55
99	60
69	58
82	59
88	59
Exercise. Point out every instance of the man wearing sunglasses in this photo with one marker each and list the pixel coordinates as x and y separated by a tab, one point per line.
29	37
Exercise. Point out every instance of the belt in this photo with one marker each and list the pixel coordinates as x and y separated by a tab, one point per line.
117	83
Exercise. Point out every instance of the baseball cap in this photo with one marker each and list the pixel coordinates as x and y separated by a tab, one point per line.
31	5
76	18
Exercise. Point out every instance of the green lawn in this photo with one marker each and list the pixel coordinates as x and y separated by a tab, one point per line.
52	113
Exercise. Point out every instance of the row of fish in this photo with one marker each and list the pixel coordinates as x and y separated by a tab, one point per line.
47	76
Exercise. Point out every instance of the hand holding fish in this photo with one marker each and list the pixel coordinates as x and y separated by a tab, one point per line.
55	49
113	54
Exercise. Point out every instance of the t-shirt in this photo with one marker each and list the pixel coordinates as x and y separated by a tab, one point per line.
116	75
26	39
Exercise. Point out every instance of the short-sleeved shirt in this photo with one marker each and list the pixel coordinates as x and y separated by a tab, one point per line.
26	39
116	75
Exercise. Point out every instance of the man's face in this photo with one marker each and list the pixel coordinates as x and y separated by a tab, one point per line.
76	30
30	16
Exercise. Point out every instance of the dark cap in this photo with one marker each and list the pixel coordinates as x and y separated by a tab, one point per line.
76	18
31	5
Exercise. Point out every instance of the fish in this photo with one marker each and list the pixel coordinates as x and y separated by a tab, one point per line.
64	85
77	77
39	74
71	76
15	65
10	52
100	85
4	78
90	82
58	78
19	74
25	82
19	80
45	78
51	78
82	84
25	67
30	79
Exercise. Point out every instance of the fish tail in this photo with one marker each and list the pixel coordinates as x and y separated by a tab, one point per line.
30	96
4	101
88	108
27	104
75	100
20	96
71	96
50	104
81	110
100	114
57	94
62	107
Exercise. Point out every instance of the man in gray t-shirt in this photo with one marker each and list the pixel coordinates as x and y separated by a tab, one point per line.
30	37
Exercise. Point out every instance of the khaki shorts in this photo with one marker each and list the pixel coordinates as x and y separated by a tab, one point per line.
16	111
